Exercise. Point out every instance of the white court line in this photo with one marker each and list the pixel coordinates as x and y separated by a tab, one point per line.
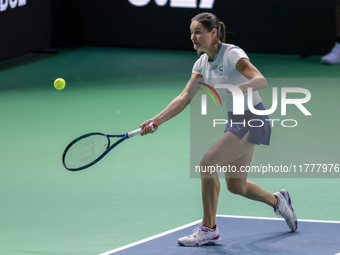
151	238
198	221
267	218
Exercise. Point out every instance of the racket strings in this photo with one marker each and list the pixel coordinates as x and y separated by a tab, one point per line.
85	151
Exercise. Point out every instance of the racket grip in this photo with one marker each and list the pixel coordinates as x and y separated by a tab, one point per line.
139	130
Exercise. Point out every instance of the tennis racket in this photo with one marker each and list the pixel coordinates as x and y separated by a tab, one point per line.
90	148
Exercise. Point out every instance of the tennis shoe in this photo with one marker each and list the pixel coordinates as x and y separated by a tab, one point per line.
285	210
201	235
333	57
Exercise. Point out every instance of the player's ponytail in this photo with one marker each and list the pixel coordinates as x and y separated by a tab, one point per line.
221	31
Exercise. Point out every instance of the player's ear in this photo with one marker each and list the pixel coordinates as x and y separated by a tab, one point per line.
214	32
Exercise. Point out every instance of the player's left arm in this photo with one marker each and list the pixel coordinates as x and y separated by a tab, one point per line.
256	79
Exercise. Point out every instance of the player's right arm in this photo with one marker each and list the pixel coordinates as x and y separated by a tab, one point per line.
177	105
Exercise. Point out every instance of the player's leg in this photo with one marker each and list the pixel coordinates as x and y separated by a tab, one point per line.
334	56
241	186
210	193
225	150
280	201
222	153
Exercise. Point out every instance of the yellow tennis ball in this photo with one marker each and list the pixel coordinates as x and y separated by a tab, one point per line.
59	83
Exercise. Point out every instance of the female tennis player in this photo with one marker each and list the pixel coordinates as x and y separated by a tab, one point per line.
236	146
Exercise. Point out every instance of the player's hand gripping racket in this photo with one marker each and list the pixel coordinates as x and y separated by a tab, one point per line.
88	149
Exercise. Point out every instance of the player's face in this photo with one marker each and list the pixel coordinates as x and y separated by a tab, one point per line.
200	36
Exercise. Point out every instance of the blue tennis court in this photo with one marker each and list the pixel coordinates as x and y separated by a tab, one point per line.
247	235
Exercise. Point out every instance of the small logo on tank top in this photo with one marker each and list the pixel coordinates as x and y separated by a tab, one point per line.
221	70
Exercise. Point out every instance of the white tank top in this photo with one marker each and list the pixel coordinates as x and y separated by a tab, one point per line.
222	70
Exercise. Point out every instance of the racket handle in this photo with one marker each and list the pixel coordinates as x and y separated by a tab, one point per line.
139	130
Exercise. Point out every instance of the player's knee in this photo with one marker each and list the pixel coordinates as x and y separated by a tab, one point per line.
236	188
204	160
205	164
207	159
